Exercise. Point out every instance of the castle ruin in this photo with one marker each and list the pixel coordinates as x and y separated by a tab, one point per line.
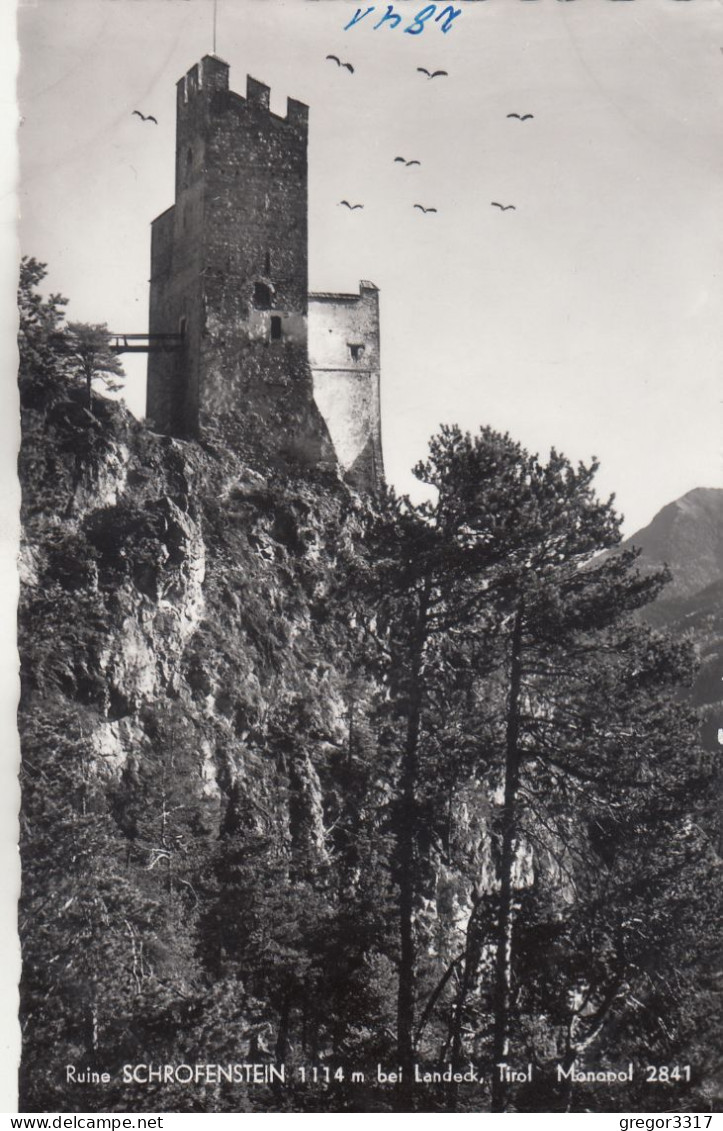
293	372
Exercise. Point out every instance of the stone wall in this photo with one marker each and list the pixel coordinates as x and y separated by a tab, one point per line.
236	278
344	354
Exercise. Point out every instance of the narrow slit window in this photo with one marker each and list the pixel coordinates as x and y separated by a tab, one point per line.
275	328
356	351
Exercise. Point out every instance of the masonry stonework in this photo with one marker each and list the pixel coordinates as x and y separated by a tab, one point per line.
344	357
229	273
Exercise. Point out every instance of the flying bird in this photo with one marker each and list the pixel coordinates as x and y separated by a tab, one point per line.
423	209
146	117
521	117
431	74
339	63
405	162
503	207
351	206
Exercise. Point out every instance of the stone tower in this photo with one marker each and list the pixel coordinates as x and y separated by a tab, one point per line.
229	274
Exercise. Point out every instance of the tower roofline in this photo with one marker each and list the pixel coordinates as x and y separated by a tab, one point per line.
343	296
212	73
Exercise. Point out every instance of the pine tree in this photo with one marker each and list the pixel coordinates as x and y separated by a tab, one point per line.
91	358
621	910
499	570
574	669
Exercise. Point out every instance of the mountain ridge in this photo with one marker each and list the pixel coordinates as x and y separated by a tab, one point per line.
687	536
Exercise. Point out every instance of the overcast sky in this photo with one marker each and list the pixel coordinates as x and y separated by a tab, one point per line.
588	318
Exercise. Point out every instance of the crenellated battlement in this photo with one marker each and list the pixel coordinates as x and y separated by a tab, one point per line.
257	93
210	78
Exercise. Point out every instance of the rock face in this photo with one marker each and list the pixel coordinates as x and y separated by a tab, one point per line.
164	581
184	728
210	773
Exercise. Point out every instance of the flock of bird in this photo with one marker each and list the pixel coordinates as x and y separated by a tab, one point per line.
397	160
403	161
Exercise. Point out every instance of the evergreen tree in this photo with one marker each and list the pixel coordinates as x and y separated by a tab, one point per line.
615	920
42	361
499	571
106	958
91	358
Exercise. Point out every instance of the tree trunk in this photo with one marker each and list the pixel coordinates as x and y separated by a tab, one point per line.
281	1049
282	1046
503	963
567	1063
91	1023
407	957
469	969
407	860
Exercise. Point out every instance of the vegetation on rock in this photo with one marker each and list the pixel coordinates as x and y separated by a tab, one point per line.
317	780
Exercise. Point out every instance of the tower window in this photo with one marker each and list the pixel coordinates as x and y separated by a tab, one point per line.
262	296
356	350
275	328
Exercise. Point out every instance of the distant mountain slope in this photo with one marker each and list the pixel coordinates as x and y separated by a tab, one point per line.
687	535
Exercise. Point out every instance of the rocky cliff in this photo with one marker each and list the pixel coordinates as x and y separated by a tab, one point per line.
185	680
165	576
215	692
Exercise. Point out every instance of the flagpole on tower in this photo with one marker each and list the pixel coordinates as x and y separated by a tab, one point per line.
215	14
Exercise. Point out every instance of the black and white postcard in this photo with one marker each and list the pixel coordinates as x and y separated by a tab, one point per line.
371	567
